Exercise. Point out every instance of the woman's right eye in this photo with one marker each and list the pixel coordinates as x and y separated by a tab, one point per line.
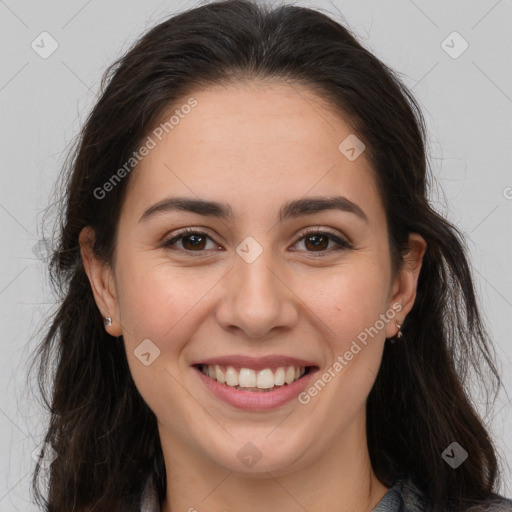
191	240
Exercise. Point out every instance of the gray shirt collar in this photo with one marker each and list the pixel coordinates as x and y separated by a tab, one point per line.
403	496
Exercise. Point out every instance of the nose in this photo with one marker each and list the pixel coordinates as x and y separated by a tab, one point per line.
258	297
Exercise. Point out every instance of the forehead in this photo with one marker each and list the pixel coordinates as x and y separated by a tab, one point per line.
273	141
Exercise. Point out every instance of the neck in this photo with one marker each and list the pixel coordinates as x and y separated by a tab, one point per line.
340	480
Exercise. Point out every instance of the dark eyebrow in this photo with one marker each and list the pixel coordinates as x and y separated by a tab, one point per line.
291	209
199	206
310	205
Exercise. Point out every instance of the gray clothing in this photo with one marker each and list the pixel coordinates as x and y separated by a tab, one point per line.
403	496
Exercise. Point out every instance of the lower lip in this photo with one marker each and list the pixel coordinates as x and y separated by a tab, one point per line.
256	400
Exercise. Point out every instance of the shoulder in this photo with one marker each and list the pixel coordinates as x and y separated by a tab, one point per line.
403	496
407	495
412	494
496	503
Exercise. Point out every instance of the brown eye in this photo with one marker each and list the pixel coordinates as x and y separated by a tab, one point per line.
191	241
318	241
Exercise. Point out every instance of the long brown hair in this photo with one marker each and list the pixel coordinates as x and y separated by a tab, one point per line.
104	433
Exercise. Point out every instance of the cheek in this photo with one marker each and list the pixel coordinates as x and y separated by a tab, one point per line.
349	300
157	306
355	339
157	298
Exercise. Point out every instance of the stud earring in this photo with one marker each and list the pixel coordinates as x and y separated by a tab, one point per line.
107	321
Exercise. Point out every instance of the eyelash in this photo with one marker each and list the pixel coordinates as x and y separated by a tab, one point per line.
342	243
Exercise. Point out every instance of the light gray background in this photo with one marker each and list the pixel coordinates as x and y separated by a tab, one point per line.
467	102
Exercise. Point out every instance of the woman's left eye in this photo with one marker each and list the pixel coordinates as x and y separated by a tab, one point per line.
196	241
319	240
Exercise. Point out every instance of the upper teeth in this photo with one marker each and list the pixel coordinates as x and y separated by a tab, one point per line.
248	378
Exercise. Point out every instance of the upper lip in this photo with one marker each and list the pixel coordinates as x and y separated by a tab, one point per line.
255	363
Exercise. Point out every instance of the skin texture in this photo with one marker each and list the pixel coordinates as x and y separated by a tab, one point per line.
255	146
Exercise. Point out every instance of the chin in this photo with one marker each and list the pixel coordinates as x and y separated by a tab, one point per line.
257	455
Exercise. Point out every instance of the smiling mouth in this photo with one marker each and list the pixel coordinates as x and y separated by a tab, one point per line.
248	379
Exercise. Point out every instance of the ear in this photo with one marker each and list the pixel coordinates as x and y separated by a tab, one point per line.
101	280
403	290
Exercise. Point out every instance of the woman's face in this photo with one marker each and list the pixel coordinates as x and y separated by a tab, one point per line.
255	289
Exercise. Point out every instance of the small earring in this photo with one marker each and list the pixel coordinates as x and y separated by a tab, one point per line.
398	335
107	321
